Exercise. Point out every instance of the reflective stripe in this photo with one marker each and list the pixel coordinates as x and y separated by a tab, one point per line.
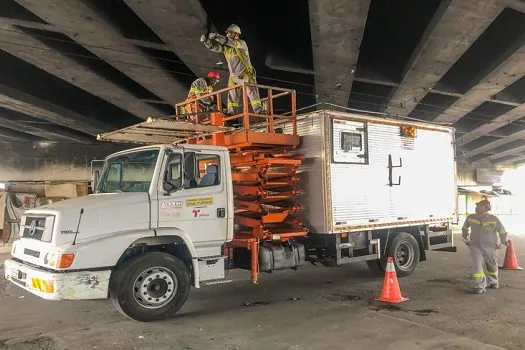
492	273
503	232
474	221
478	275
390	268
233	104
196	91
254	102
488	223
228	52
244	62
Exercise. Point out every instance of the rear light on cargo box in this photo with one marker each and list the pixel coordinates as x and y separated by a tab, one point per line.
408	131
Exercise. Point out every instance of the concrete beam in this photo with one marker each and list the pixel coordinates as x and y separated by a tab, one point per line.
517	151
44	26
435	91
520	135
511	161
38	54
84	25
183	38
450	33
518	160
337	30
43	110
502	120
12	135
512	69
20	122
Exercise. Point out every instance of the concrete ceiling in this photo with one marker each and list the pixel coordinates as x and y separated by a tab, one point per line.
72	69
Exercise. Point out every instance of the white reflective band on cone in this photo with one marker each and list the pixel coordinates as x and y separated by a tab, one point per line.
390	267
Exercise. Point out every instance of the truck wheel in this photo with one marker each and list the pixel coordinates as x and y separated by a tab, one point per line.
151	287
405	251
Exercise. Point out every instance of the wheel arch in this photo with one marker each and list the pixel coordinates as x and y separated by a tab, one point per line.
386	235
171	241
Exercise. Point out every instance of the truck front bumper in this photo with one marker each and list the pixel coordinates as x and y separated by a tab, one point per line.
75	285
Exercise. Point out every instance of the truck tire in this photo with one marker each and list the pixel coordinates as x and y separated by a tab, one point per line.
404	248
150	287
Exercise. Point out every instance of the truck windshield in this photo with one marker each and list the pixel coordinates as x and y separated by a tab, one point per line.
130	172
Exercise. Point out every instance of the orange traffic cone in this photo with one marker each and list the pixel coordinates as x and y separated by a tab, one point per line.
511	262
390	293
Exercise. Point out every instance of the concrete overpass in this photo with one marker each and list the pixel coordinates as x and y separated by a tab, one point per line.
72	69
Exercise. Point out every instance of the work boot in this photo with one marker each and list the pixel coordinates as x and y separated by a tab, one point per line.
494	286
479	291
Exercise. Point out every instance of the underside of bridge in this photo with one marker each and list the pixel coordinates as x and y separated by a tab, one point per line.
72	69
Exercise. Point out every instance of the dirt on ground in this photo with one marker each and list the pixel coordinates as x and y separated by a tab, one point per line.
312	308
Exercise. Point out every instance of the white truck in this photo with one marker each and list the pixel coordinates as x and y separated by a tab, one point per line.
163	215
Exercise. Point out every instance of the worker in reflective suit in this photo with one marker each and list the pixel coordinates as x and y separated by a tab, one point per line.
480	233
241	70
199	87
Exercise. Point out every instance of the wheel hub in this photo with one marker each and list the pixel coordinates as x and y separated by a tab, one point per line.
155	287
404	255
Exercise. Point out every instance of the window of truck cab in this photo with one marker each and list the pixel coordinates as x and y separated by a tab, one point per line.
200	170
129	172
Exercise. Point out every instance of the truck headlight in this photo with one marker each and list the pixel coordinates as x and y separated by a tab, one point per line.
59	260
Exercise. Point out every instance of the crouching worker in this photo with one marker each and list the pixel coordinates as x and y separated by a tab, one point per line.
480	233
199	87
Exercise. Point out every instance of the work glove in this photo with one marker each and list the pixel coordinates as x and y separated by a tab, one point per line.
506	243
203	38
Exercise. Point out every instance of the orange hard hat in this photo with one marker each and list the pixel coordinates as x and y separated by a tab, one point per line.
485	203
214	75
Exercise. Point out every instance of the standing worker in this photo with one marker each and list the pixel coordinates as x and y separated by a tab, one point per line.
199	87
241	70
483	243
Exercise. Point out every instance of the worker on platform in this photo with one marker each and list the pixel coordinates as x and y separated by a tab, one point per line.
483	242
241	70
199	87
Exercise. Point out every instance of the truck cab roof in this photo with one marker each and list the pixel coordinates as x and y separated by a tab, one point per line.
174	146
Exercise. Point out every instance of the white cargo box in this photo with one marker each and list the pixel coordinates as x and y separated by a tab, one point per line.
364	173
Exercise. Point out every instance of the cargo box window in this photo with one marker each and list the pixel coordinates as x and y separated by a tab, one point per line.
351	142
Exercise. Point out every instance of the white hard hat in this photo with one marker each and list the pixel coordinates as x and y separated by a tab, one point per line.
234	28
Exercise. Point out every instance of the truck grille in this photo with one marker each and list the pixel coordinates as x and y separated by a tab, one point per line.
37	227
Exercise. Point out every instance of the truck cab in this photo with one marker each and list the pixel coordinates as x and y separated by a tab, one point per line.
175	202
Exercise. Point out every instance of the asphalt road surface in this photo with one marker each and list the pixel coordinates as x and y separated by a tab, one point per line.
312	308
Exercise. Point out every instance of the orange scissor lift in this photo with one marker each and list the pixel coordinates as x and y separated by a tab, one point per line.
264	172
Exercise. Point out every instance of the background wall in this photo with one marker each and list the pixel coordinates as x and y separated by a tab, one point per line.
28	161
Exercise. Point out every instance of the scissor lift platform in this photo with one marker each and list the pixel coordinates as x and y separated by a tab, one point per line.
264	172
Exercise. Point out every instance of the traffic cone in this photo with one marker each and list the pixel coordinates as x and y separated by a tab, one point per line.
390	293
511	262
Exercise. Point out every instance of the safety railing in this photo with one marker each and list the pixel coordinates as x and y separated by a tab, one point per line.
279	106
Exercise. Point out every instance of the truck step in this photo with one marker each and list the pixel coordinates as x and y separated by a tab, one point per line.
213	282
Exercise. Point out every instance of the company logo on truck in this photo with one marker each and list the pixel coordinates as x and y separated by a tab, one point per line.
199	202
32	228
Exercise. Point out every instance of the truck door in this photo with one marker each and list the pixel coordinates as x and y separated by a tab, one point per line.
194	199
